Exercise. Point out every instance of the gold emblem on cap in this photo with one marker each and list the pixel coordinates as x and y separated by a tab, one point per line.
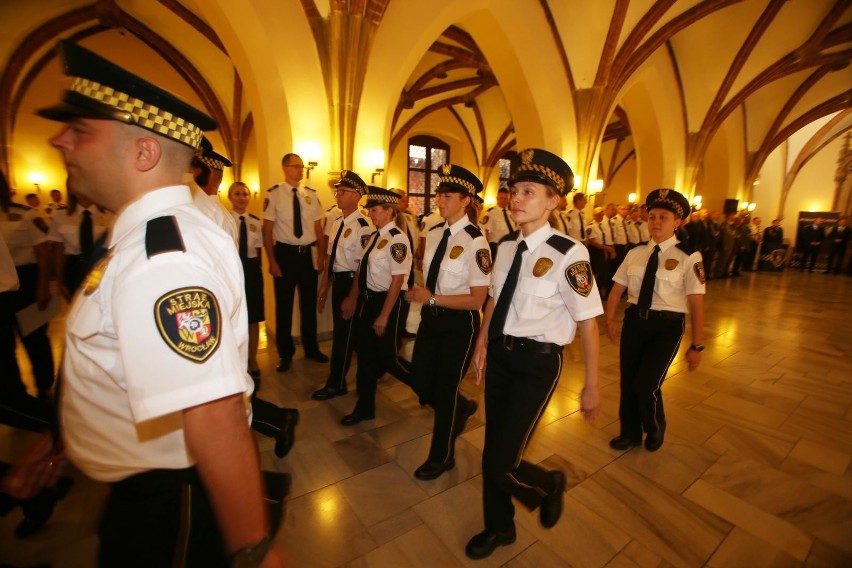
541	267
383	244
347	232
664	193
456	252
446	169
671	264
527	155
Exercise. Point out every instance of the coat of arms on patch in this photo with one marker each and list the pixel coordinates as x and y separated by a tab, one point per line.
699	272
580	278
189	322
483	260
399	252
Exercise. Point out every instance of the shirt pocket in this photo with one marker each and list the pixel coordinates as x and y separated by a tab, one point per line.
635	274
670	283
453	273
539	297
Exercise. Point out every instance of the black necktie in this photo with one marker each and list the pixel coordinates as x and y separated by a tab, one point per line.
243	238
501	310
334	248
564	224
435	265
297	214
611	231
582	226
508	223
646	292
362	274
411	244
87	238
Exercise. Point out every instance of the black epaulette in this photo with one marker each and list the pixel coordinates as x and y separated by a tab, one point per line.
473	231
273	188
394	232
312	189
330	208
162	235
490	208
686	247
20	206
363	222
513	236
438	226
560	243
254	217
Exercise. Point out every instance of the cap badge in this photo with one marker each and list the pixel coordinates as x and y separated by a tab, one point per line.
446	169
527	156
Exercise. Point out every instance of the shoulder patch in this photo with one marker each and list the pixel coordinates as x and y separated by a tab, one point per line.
162	235
189	322
580	277
394	232
560	243
254	217
438	226
699	272
473	231
513	236
483	260
363	222
398	252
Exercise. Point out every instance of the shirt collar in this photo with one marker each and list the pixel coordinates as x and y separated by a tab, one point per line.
665	245
147	207
352	216
539	236
458	225
386	229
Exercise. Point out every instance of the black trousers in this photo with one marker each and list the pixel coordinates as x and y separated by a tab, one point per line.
442	354
835	258
36	343
342	339
297	271
160	518
518	386
377	355
810	256
648	347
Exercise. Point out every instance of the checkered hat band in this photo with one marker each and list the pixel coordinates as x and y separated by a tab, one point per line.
548	173
213	163
459	181
382	199
145	115
669	202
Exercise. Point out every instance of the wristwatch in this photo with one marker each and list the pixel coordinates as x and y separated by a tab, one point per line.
251	556
431	301
697	348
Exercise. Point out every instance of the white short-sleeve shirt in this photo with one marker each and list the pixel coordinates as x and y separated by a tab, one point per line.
279	209
65	228
391	256
467	259
354	236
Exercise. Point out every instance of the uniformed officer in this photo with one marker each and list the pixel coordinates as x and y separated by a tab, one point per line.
412	231
208	167
498	220
292	223
576	218
376	294
457	263
73	234
30	253
349	234
542	293
664	280
154	393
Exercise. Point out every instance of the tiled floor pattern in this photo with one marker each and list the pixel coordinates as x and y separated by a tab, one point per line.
754	471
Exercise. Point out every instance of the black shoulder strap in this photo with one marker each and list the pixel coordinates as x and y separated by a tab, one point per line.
163	235
394	232
363	222
473	231
560	243
273	188
255	217
686	247
513	236
438	226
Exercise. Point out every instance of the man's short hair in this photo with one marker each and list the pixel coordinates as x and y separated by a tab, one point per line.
503	189
578	196
288	157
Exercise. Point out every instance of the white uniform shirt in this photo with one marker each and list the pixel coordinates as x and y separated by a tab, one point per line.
466	262
331	214
574	227
642	227
432	219
619	232
390	257
65	228
353	238
555	289
279	209
593	233
411	227
8	274
21	233
495	223
218	213
148	337
678	274
254	231
633	234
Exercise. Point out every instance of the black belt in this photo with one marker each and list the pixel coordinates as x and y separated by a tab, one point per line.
527	345
343	275
373	294
655	314
299	249
155	480
439	310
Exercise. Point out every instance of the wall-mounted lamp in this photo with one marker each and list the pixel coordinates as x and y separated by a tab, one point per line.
311	165
36	179
378	172
743	205
752	206
597	186
697	201
578	183
631	198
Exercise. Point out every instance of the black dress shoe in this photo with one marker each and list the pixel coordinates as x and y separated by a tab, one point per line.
356	417
654	441
433	469
623	443
551	507
461	420
37	511
326	393
283	365
319	357
287	431
482	545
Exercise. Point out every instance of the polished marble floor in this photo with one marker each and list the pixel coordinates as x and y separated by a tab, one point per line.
755	470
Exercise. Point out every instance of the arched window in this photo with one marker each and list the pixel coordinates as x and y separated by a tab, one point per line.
426	155
504	166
